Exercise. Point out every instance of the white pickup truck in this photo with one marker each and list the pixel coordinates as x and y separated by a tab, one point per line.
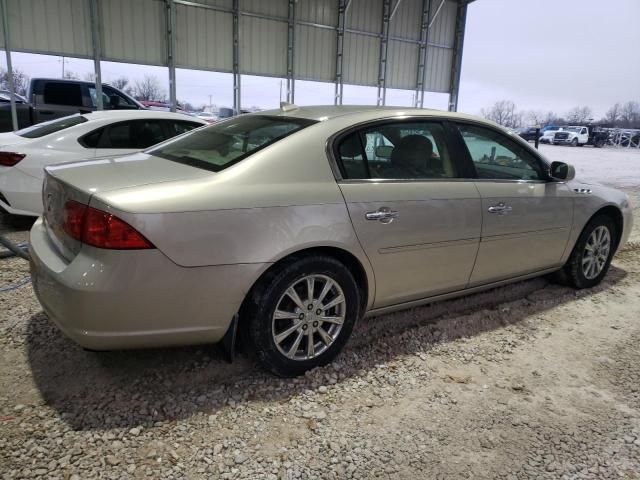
574	136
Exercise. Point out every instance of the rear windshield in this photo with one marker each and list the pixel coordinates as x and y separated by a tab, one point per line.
223	144
52	126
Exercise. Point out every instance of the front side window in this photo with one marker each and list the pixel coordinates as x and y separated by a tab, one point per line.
111	99
226	143
402	150
495	156
52	126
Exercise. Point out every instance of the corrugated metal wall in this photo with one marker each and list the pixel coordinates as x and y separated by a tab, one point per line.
135	31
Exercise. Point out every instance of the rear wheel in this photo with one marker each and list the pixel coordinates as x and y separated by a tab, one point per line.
302	314
592	254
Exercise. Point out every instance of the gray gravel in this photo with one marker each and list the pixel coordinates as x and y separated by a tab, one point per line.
533	380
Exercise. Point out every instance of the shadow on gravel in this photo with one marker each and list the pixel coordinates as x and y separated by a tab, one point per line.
94	391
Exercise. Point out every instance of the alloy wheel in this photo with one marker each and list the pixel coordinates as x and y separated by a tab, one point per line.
596	252
308	317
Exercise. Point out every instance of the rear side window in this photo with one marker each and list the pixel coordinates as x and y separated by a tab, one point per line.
399	150
226	143
63	94
52	126
136	134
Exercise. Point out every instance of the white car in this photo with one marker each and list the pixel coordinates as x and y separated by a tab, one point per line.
25	153
547	135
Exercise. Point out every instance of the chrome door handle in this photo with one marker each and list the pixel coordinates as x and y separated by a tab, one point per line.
500	209
383	214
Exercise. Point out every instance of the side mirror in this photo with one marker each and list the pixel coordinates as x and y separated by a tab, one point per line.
384	151
562	171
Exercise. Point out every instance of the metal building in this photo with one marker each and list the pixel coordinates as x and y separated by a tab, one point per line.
404	44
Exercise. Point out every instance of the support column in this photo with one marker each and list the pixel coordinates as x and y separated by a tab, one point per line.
291	34
422	54
384	47
97	50
456	66
171	52
236	57
7	50
342	11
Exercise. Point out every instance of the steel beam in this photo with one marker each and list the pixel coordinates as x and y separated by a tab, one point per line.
97	50
422	54
291	33
171	52
7	51
384	47
236	58
456	64
342	12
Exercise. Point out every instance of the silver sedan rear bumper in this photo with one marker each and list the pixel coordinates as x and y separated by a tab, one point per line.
116	299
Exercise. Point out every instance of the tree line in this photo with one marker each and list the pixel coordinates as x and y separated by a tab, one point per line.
620	115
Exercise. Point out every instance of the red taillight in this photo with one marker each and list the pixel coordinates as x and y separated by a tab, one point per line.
9	159
101	229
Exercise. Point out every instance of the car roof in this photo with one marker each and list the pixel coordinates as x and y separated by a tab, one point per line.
327	112
139	114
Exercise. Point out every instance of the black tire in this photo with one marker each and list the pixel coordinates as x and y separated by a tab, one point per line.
266	297
573	271
574	142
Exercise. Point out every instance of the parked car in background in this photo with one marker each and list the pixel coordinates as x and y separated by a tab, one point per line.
55	98
207	116
548	134
529	133
576	136
25	153
279	226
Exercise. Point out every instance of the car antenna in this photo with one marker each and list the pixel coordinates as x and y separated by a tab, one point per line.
287	107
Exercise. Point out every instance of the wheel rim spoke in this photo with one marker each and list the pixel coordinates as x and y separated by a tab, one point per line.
283	335
327	287
334	320
326	338
294	348
336	301
310	282
311	348
293	295
282	315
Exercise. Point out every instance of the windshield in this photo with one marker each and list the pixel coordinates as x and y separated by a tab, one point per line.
226	143
573	129
52	126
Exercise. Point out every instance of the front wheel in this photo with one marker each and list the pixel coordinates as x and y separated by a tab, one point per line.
574	142
301	315
592	254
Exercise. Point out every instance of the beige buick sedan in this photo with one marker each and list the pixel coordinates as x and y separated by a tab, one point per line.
285	227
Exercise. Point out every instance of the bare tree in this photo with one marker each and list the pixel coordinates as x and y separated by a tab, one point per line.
630	114
504	113
535	117
149	89
579	114
20	81
549	118
90	77
70	75
122	84
613	114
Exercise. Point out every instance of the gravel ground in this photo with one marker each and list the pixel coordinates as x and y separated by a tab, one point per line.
532	380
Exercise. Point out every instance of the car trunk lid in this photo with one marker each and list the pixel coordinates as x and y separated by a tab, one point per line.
79	181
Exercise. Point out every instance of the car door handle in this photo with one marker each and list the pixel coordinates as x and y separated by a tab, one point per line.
500	209
383	214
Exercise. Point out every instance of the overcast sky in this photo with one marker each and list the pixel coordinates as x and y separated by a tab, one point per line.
551	54
542	54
